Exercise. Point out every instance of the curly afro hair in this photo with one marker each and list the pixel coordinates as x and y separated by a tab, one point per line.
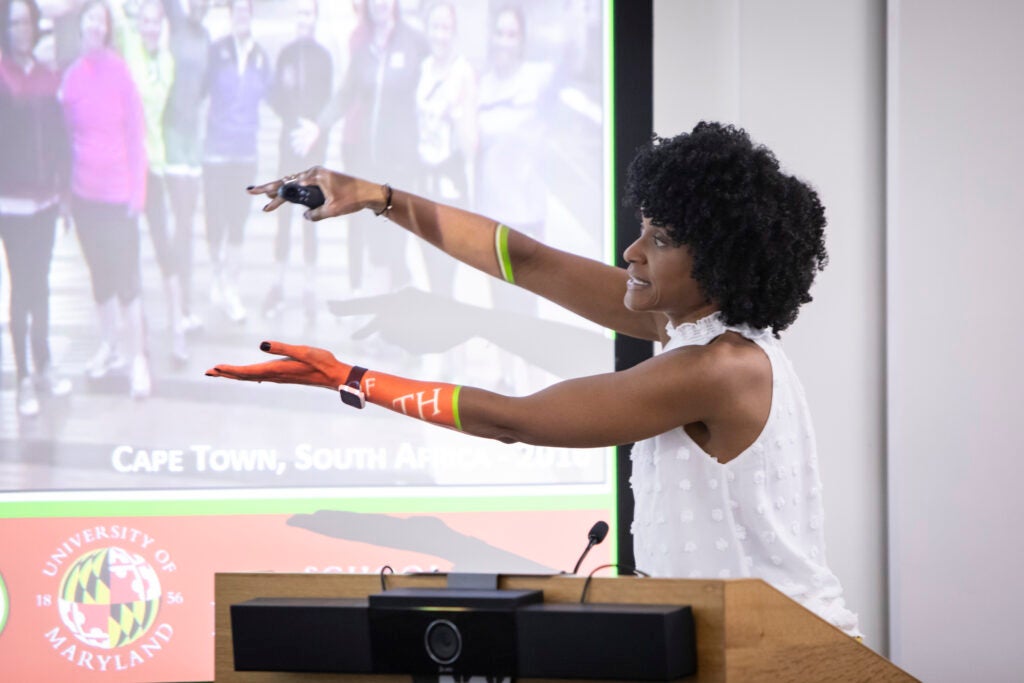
756	234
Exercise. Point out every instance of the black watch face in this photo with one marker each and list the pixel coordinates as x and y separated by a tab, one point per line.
352	397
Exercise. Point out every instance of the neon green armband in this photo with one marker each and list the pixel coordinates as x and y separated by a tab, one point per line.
501	251
456	418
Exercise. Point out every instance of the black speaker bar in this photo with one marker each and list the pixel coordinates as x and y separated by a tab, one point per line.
606	641
467	632
302	634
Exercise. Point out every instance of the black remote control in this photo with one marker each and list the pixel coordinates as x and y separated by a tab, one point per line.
307	195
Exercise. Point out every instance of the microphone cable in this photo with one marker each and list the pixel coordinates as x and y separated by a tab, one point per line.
384	571
586	584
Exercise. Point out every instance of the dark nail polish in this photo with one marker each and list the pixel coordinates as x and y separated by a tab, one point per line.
249	187
264	346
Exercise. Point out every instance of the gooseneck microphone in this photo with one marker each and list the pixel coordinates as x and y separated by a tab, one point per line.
596	535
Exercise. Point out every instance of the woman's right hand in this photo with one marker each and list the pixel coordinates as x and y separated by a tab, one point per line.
343	194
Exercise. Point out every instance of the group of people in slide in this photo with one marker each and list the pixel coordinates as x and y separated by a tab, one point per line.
130	116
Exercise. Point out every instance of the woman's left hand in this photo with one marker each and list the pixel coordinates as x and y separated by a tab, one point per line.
306	365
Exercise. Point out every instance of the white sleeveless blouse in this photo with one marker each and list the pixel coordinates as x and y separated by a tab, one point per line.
759	515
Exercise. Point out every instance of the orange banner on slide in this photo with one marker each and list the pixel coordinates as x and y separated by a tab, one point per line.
131	598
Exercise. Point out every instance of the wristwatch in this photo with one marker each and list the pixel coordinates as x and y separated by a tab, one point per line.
351	394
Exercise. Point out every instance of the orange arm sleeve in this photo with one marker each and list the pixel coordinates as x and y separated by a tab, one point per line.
436	402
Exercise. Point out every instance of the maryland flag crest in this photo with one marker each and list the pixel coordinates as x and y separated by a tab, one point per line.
109	597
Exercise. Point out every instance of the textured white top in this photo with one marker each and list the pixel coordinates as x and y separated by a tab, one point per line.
759	515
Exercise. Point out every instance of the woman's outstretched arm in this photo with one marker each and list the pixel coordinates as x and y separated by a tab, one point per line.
726	388
589	288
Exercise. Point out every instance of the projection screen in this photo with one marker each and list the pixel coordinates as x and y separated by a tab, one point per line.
117	505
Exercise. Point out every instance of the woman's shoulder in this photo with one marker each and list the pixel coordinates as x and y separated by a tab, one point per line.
730	361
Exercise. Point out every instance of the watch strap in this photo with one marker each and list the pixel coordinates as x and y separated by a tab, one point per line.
355	377
350	392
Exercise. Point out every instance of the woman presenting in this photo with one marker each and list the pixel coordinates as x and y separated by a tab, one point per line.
725	466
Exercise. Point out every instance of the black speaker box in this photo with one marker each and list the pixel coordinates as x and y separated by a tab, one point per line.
433	631
606	641
302	634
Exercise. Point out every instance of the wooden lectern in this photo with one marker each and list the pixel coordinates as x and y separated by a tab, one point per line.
746	630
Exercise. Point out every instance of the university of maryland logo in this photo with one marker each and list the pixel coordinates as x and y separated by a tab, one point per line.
111	598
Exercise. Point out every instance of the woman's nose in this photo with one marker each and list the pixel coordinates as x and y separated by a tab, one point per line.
632	253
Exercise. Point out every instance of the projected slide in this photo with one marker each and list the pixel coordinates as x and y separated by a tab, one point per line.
127	477
506	121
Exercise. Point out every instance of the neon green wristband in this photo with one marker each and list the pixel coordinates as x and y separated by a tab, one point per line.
456	418
501	251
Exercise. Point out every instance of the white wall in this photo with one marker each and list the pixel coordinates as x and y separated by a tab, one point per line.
807	79
956	325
